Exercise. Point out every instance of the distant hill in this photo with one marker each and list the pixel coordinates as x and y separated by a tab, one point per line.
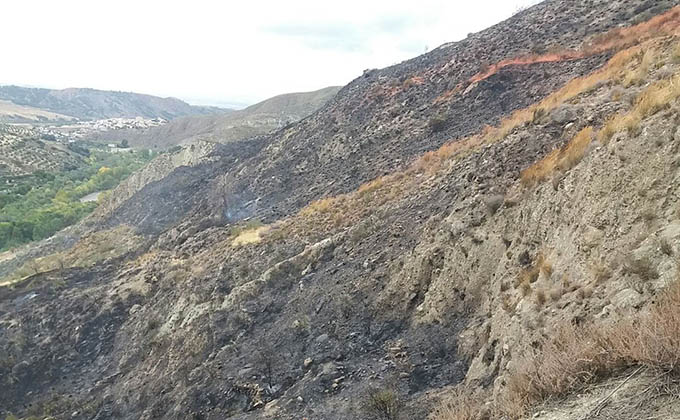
13	113
92	104
257	119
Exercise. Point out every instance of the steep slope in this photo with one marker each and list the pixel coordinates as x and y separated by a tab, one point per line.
382	121
92	104
258	119
406	234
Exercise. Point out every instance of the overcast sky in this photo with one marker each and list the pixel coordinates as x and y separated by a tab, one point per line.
221	52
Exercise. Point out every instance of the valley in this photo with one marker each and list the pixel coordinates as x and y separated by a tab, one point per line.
38	157
489	230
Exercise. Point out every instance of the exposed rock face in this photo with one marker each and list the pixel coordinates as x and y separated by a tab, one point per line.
411	287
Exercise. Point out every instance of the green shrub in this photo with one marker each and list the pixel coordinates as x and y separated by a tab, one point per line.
382	404
37	206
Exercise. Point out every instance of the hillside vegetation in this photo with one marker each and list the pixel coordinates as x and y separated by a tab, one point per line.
489	231
36	206
24	151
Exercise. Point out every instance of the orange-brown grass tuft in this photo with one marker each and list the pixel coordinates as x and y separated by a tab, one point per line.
334	212
432	161
654	99
541	298
638	74
461	405
561	159
665	24
577	355
525	288
371	186
323	205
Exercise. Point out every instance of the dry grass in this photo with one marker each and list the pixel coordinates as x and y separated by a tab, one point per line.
574	151
654	340
614	69
250	236
577	355
87	252
618	68
341	211
540	297
661	25
323	205
616	39
561	159
433	161
658	96
528	275
382	404
371	186
525	288
460	405
639	74
546	268
556	294
572	357
654	99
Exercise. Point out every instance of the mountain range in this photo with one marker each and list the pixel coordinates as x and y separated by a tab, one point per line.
89	104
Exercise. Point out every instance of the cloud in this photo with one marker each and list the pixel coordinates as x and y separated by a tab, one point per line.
348	36
330	36
217	51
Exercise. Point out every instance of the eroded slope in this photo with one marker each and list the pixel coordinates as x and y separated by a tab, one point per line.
426	278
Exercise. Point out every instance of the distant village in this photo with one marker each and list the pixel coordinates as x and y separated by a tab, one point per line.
72	132
25	148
